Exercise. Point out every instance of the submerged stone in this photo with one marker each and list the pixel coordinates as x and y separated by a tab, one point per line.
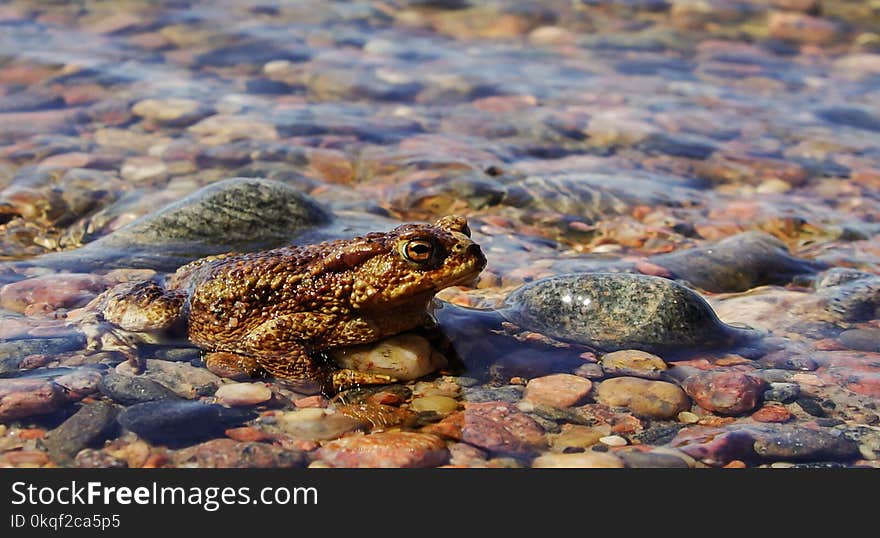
611	311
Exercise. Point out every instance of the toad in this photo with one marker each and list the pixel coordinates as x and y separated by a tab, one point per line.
274	312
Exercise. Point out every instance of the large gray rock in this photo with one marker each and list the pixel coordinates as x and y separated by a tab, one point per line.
242	214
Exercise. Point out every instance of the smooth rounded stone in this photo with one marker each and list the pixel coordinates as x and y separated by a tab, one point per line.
134	389
228	453
861	339
785	360
614	311
645	398
404	357
737	263
171	112
859	118
782	392
687	417
185	380
508	394
442	405
579	460
632	362
726	393
772	413
13	352
142	169
849	295
500	428
558	390
385	450
636	459
25	397
576	436
802	28
238	214
314	424
54	291
91	425
796	443
254	52
178	422
243	394
678	145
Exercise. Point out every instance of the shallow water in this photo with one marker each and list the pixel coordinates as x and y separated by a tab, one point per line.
577	137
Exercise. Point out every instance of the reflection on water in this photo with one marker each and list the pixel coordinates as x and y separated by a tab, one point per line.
732	147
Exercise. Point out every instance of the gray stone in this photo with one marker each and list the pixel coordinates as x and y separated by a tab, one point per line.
92	424
861	339
613	311
128	390
181	422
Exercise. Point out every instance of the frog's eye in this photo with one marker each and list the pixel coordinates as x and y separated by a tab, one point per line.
417	250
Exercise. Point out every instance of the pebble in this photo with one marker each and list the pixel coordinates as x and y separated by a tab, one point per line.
613	440
726	393
92	424
636	459
580	460
228	453
797	443
243	394
51	291
632	362
24	397
404	357
171	112
802	28
772	413
782	392
442	405
558	390
313	424
133	389
861	339
687	417
385	450
500	428
645	398
14	352
184	380
173	422
509	394
576	436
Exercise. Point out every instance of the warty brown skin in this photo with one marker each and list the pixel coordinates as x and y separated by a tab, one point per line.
273	310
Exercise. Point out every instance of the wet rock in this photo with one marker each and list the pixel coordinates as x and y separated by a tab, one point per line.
171	112
403	357
632	362
52	291
772	413
782	392
796	443
227	453
20	398
637	459
677	145
13	352
713	445
243	394
91	425
858	118
785	360
501	428
175	422
737	263
234	214
254	52
385	450
849	295
653	399
727	393
558	390
584	460
611	311
313	424
861	339
134	389
183	379
508	394
442	405
576	436
802	28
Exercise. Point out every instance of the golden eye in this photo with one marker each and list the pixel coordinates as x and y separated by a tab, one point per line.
417	250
